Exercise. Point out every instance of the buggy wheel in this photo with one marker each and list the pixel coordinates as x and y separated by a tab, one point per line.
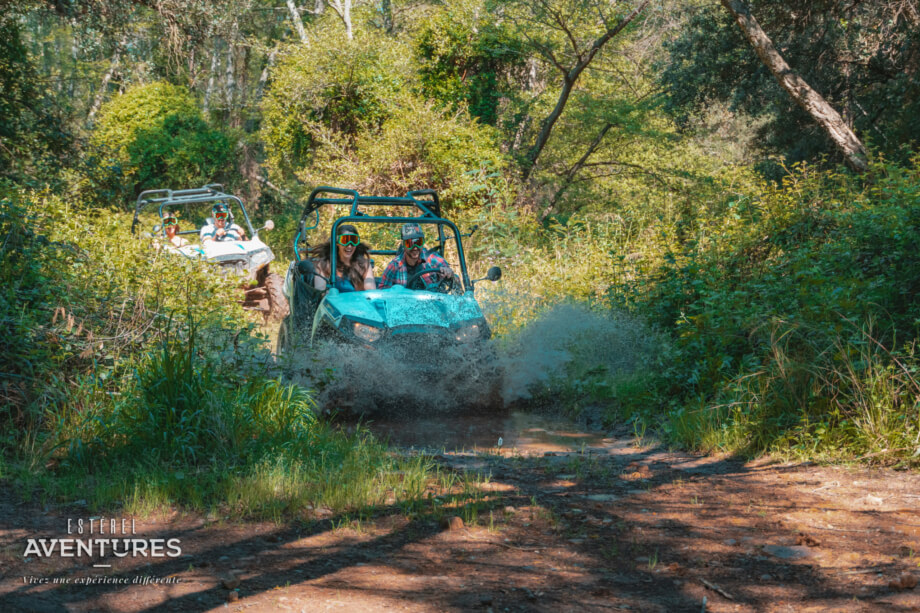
277	304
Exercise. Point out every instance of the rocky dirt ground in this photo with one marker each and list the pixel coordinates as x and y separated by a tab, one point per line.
565	521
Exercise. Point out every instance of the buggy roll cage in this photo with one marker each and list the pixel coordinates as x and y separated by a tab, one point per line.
430	210
166	198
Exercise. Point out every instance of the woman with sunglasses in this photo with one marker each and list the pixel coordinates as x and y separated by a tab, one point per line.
354	270
171	228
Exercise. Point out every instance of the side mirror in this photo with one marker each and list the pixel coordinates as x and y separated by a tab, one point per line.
157	228
494	274
269	225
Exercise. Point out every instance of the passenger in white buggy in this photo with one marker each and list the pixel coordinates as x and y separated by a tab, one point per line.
220	226
171	228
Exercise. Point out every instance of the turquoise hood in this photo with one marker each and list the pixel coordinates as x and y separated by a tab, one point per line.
396	306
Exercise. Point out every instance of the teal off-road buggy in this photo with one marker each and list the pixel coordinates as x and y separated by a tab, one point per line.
390	343
246	259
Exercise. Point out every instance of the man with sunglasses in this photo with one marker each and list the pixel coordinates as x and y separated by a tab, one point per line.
220	227
413	259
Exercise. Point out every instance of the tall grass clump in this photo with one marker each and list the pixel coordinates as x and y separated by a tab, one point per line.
190	431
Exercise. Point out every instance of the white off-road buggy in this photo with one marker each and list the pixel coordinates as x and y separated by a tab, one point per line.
248	259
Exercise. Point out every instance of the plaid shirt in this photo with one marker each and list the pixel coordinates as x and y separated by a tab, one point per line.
397	273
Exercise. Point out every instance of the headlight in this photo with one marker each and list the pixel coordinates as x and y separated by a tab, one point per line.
367	333
468	334
260	257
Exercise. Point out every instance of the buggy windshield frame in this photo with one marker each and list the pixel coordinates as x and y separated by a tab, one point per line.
425	202
168	198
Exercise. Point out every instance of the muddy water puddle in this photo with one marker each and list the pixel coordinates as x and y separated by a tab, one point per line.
525	433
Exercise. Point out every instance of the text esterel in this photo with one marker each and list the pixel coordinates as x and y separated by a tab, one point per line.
95	525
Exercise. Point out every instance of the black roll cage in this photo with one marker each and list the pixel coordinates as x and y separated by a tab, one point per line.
430	210
165	198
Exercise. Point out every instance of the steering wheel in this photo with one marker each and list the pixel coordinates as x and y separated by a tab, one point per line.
444	285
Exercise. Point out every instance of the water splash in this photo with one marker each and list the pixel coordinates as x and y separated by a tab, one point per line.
435	378
571	334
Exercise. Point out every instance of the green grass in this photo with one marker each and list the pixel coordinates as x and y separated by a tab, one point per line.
192	434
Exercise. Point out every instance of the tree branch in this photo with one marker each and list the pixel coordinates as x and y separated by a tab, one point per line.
570	175
568	82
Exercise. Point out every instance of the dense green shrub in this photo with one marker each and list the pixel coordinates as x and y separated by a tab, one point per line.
153	136
417	146
468	59
768	312
326	93
79	295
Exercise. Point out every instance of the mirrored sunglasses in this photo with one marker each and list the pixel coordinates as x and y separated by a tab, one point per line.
221	215
411	243
170	221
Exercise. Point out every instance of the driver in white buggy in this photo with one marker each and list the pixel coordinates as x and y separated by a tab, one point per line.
220	226
413	259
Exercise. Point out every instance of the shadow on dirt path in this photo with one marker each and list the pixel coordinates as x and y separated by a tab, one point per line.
562	520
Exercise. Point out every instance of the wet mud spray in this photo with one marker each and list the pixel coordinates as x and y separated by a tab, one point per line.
451	381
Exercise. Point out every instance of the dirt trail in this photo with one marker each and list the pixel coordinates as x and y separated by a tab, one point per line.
567	521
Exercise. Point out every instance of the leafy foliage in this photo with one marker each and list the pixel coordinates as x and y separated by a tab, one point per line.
358	123
155	135
467	59
333	87
31	134
780	295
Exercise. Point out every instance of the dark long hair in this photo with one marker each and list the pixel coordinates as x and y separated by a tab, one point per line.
360	262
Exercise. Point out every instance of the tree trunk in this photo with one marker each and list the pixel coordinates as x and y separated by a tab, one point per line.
297	21
263	78
811	101
74	58
343	9
113	67
386	12
568	82
211	76
230	80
